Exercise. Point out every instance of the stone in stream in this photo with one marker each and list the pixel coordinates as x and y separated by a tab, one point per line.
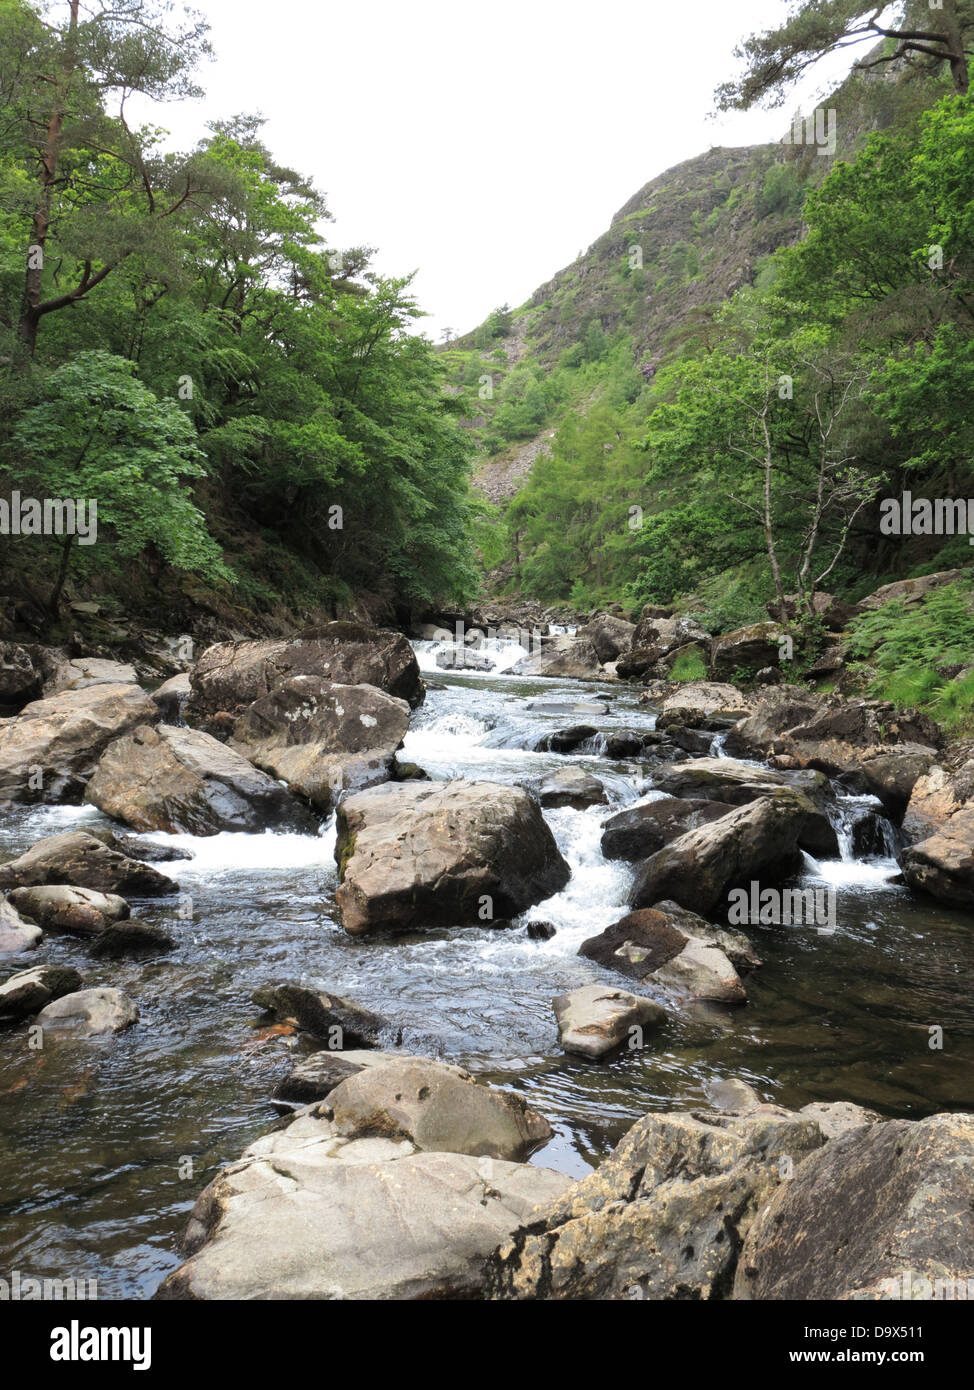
131	939
355	1218
316	1076
569	786
883	1211
668	946
16	935
339	1021
462	659
541	931
88	1013
182	781
697	702
50	749
436	1108
75	911
170	698
231	676
566	740
80	673
322	738
663	1217
82	861
27	992
940	818
596	1020
758	842
640	831
146	852
564	707
442	854
569	658
610	636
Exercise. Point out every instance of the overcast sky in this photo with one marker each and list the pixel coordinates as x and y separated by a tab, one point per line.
481	145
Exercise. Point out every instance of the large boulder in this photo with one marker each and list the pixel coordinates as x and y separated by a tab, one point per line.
75	911
699	868
596	1020
669	946
442	853
572	658
437	1110
569	786
170	698
640	831
16	935
314	1077
27	992
83	861
81	672
49	750
943	864
88	1013
879	1204
185	782
610	636
309	1213
746	649
910	591
663	1217
322	738
702	704
233	675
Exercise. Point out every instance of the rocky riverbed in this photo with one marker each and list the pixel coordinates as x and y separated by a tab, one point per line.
464	941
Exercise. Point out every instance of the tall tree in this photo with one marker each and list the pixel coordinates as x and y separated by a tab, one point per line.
920	35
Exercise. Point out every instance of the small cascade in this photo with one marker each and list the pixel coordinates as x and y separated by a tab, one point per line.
491	656
717	746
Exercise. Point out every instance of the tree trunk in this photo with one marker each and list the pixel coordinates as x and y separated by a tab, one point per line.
54	603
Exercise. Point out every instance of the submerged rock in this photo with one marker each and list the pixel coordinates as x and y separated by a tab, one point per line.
185	782
597	1019
339	1021
442	853
83	861
131	939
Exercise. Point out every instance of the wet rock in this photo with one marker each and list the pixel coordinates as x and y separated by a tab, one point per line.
338	1021
182	781
570	786
625	743
76	911
877	1201
82	861
437	1110
663	1218
596	1020
131	939
29	991
567	707
148	853
322	738
430	854
733	1094
358	1219
315	1077
170	698
88	1013
943	864
675	949
542	931
408	772
699	868
49	750
16	935
609	636
834	1117
566	740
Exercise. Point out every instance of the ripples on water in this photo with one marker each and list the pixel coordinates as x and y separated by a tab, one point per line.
96	1139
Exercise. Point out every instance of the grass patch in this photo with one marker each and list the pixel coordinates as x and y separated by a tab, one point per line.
689	667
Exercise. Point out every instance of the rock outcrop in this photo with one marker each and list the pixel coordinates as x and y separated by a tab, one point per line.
82	861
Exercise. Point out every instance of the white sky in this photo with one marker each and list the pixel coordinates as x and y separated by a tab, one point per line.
482	145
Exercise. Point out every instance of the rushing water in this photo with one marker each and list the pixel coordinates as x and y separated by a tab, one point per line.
96	1139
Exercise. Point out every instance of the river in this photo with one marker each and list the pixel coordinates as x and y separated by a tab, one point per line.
105	1145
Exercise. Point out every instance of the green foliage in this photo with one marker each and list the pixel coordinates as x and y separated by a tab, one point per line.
690	666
